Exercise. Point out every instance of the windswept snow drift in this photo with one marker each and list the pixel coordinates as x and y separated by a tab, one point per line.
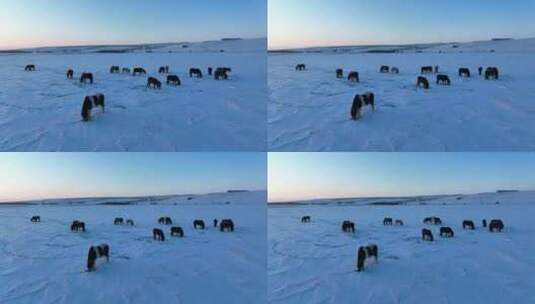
309	110
45	262
315	262
40	111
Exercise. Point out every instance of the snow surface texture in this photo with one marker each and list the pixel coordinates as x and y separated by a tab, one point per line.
40	111
45	262
309	110
315	262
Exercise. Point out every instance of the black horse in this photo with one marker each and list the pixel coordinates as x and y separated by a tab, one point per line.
194	72
398	223
163	70
139	71
153	83
446	232
387	221
78	226
443	79
359	101
353	76
464	72
215	222
70	74
496	225
158	235
95	252
118	221
348	226
210	70
130	222
226	225
364	253
300	67
422	82
115	69
220	74
86	77
384	69
433	220
126	71
35	219
480	70
339	73
491	73
173	79
426	69
305	219
484	222
177	231
91	102
165	220
394	70
467	224
427	235
30	67
198	224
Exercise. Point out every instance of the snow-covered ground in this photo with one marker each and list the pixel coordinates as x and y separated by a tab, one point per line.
315	262
40	111
45	262
309	110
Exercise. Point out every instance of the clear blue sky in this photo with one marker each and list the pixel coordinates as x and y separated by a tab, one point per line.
297	176
27	23
304	23
26	176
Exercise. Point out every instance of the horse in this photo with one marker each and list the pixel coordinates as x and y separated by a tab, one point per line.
422	81
300	67
426	69
359	101
339	73
154	83
353	76
480	70
443	79
198	224
158	235
139	71
89	103
118	221
126	71
436	69
433	220
427	235
35	219
226	225
163	70
77	226
398	223
446	232
484	222
115	69
215	222
195	72
70	74
491	73
468	225
305	219
130	222
348	226
30	67
177	231
95	252
220	74
394	70
384	69
496	225
364	253
173	79
464	72
387	221
165	220
85	77
210	70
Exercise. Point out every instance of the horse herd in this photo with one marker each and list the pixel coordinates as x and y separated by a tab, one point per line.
103	250
367	98
98	100
371	250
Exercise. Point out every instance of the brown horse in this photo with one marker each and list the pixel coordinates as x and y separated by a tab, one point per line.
78	226
154	83
220	74
359	101
427	235
348	226
89	103
86	77
173	79
443	79
194	72
353	76
226	225
422	82
177	231
70	74
446	232
139	71
158	235
491	73
95	252
364	253
198	224
464	72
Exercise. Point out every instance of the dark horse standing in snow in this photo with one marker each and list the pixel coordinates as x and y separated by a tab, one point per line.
364	253
86	77
96	252
89	103
226	225
359	101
